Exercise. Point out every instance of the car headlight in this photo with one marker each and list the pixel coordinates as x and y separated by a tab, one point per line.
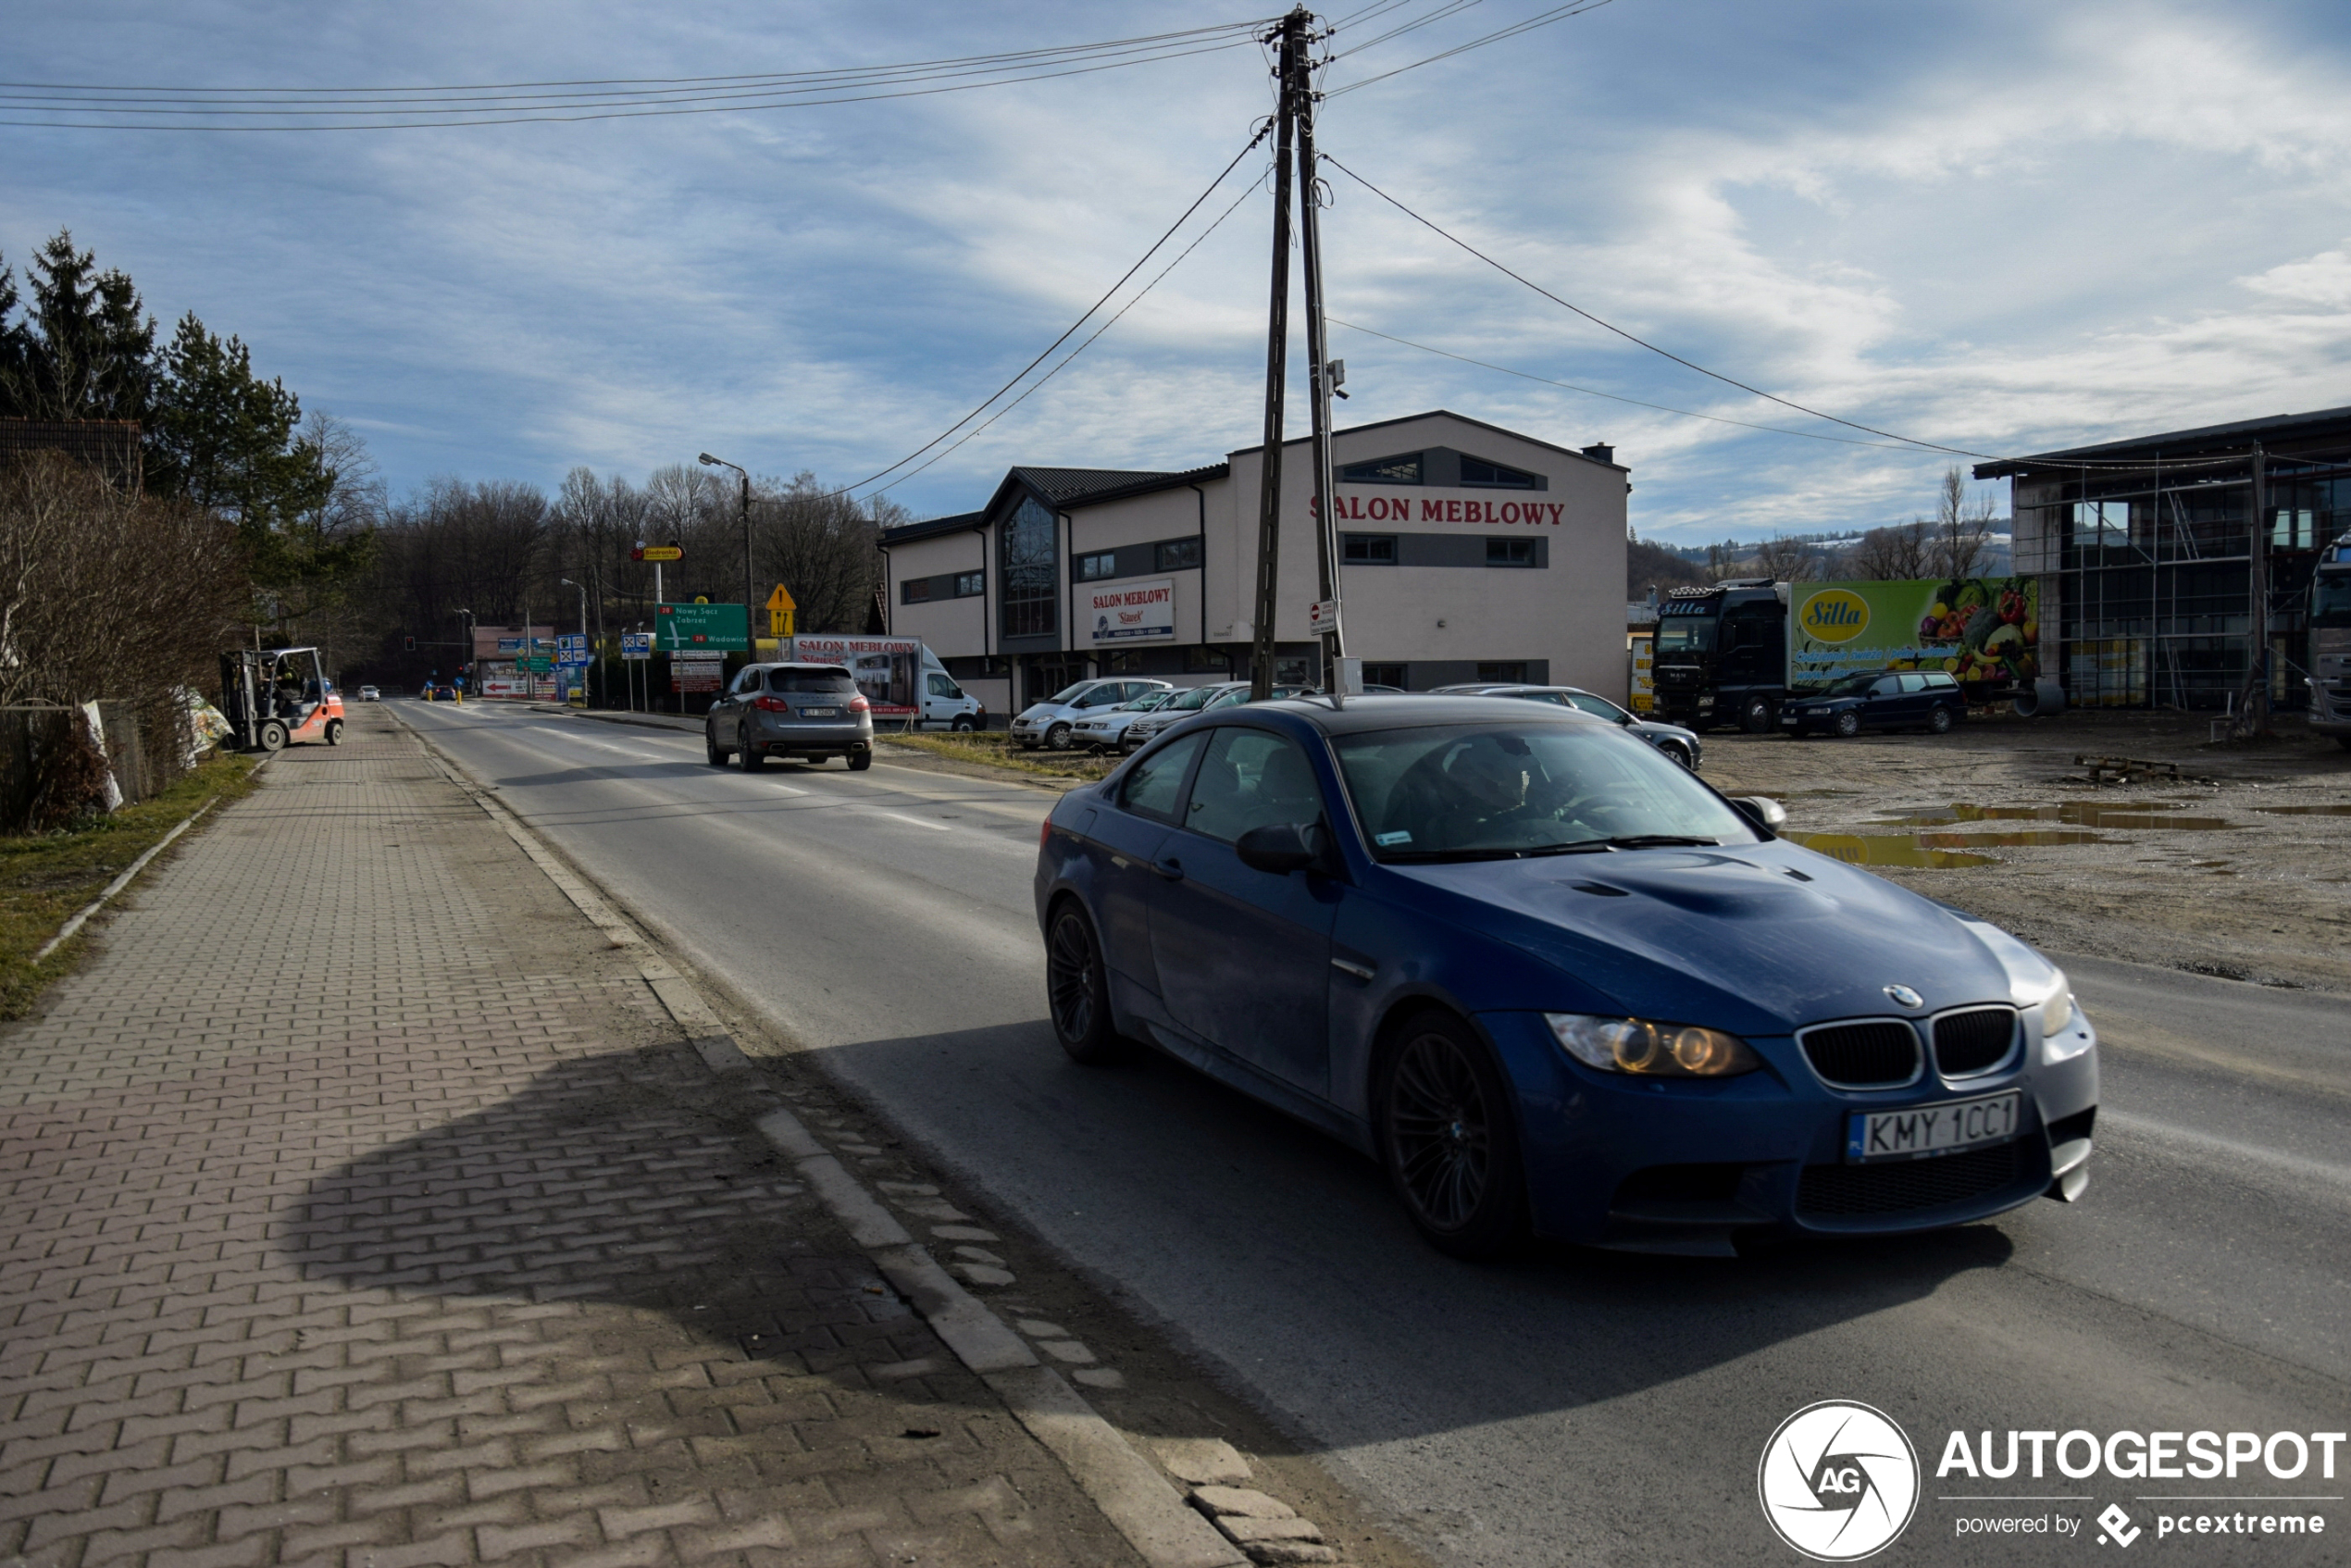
2057	1016
1636	1045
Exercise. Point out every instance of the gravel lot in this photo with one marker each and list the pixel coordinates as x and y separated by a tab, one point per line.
2240	868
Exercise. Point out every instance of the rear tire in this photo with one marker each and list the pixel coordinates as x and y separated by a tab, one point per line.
750	759
1848	725
1076	989
2344	742
860	761
1939	721
1449	1138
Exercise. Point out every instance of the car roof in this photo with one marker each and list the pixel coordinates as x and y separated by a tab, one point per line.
1409	711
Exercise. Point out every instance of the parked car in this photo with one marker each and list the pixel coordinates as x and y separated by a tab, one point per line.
1681	745
1053	722
813	711
1199	699
1545	976
1928	700
1103	731
369	694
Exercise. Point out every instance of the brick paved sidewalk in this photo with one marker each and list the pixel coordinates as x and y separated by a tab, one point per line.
361	1207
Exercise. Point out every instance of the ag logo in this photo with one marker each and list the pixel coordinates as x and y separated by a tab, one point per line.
1834	615
1839	1481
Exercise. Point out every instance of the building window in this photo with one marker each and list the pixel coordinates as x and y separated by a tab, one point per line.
1477	471
970	585
1404	468
914	591
1368	549
1027	549
1385	674
1127	662
1510	552
1178	555
1093	568
1206	661
1511	670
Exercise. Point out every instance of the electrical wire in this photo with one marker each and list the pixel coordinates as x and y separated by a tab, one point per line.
1439	15
1081	348
1546	18
1616	397
1262	131
384	108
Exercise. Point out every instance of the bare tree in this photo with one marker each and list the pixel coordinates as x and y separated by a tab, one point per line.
1787	560
1891	554
1962	528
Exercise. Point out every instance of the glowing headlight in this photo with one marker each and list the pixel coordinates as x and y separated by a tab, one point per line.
1636	1045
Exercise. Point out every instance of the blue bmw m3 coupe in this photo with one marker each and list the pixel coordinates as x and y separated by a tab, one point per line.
1554	983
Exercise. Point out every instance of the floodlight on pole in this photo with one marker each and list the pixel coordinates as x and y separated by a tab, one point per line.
710	462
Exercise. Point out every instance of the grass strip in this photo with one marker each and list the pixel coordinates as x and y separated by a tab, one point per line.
996	751
46	877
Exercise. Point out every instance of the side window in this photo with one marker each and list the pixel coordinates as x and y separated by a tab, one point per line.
1154	786
748	681
942	687
1135	688
1914	683
1250	778
1886	686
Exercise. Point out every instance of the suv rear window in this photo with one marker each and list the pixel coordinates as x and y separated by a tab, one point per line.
812	682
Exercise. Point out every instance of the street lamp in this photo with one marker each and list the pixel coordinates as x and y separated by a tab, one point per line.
469	638
710	462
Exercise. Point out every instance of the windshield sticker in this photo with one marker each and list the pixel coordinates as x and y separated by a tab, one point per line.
1385	840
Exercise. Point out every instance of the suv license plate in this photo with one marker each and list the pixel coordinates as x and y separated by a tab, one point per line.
1921	1132
820	712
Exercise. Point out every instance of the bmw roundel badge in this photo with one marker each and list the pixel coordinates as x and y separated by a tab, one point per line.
1905	996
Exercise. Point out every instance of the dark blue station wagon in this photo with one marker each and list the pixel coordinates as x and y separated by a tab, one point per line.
1555	983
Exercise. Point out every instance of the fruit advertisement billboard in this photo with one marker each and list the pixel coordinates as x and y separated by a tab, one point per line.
1987	631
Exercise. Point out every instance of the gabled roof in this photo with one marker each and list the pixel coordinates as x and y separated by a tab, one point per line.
1438	413
1058	488
1062	486
931	527
2203	441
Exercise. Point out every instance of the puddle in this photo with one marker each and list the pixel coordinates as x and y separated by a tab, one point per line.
2307	811
1887	849
2079	813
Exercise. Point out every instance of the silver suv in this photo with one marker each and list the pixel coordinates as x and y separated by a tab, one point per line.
812	712
1052	723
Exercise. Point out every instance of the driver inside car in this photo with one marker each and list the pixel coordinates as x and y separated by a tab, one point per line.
1459	796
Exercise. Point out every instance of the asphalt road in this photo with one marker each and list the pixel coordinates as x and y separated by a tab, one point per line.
1578	1406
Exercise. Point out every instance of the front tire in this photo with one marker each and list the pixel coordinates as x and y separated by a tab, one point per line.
1057	737
716	753
1078	989
1678	753
1756	715
1450	1140
334	732
965	725
273	736
1848	725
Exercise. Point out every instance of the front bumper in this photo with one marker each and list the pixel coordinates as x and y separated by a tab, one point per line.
1683	1166
1793	723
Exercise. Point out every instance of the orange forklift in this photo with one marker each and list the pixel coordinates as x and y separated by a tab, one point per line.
274	697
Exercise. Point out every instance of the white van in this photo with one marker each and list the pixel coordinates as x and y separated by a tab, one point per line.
903	679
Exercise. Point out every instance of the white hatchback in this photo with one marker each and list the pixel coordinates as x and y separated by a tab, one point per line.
1053	722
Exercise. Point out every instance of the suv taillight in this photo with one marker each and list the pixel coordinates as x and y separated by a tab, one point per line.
858	705
771	704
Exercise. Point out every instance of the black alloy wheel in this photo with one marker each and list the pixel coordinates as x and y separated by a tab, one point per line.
1848	724
1076	990
1451	1146
1757	716
1939	721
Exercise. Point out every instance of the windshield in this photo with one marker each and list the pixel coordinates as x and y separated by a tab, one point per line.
1067	695
2331	600
1499	791
1685	634
1852	686
1191	699
1598	705
1147	702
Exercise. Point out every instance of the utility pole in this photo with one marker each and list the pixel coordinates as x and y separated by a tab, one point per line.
1319	378
1269	505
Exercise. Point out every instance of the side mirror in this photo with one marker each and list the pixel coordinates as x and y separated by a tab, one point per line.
1763	811
1279	847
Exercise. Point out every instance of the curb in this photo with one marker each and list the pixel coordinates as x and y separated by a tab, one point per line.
1128	1486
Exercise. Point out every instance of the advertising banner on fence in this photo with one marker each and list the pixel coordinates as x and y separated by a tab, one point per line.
1984	631
1135	612
888	670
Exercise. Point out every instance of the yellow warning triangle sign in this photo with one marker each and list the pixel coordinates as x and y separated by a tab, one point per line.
779	600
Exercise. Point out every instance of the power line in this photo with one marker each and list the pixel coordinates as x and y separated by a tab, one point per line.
390	108
1545	20
1643	342
1616	397
1262	131
1081	347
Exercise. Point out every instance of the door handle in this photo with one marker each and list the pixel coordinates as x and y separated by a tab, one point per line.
1170	868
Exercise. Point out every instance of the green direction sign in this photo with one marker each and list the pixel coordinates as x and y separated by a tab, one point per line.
539	664
701	628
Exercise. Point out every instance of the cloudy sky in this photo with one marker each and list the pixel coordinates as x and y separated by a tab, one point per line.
2001	225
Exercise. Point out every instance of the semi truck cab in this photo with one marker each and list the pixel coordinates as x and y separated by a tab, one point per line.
1721	655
